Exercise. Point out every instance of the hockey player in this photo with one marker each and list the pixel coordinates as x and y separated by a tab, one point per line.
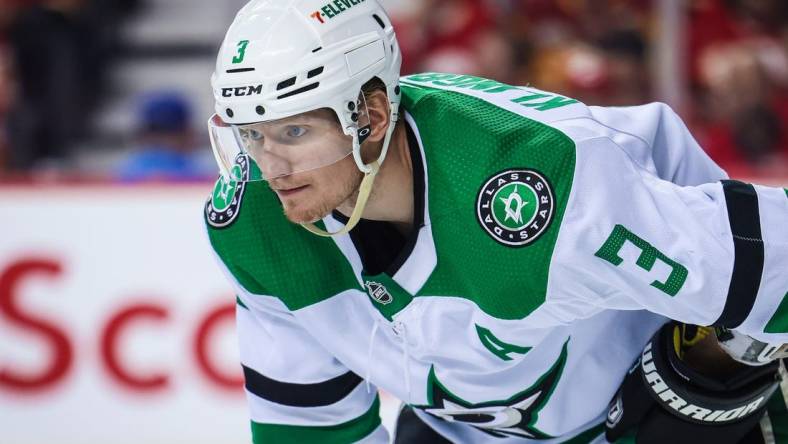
496	257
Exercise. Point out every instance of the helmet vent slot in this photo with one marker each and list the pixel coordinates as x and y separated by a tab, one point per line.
379	20
237	70
300	90
317	49
314	72
286	83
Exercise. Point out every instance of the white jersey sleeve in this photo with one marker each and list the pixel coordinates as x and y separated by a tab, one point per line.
655	138
644	231
296	390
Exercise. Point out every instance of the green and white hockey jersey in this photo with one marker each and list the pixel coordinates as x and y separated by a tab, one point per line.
551	240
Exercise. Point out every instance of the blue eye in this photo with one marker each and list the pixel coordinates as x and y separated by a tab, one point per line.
296	131
253	134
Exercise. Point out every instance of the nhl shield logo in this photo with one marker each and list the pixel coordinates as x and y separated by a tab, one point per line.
615	412
378	292
225	202
515	207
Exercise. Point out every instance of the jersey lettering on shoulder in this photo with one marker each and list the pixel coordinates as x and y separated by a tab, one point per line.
519	99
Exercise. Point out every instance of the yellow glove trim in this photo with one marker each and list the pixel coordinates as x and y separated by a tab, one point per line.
681	342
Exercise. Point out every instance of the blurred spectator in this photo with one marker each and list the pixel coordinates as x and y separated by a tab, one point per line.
592	50
744	114
61	50
166	144
739	75
714	22
598	51
456	36
8	12
6	96
58	70
626	60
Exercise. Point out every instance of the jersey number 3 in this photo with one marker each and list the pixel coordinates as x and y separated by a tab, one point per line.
647	257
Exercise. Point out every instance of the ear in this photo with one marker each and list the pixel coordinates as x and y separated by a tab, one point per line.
379	109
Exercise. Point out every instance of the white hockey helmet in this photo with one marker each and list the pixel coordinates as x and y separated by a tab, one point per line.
281	58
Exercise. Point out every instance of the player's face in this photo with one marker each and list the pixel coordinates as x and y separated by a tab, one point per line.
311	195
296	144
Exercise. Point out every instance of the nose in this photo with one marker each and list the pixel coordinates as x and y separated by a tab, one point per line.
273	165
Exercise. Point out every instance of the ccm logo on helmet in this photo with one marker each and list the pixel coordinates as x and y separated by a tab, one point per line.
242	91
676	403
333	9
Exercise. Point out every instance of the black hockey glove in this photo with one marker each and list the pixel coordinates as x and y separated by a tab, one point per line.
663	400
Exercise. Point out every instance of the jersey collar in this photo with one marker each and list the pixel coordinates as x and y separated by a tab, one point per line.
418	259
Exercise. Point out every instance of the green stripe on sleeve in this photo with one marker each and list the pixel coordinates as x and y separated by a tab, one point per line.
345	433
779	321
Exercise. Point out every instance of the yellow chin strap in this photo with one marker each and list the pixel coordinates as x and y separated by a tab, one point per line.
363	194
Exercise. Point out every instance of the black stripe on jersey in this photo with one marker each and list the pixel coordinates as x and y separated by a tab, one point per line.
301	395
745	221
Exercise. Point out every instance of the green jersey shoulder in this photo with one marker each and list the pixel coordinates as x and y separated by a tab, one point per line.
498	183
267	254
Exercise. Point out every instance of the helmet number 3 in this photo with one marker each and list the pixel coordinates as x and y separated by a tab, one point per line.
241	51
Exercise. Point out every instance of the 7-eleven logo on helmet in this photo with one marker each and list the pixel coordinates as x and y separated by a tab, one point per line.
333	9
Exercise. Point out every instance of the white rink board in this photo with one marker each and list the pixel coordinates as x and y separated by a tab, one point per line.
115	323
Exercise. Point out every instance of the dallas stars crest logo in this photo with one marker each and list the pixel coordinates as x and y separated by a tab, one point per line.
515	416
225	202
515	207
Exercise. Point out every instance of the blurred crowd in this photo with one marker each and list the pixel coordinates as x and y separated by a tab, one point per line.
733	77
54	55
